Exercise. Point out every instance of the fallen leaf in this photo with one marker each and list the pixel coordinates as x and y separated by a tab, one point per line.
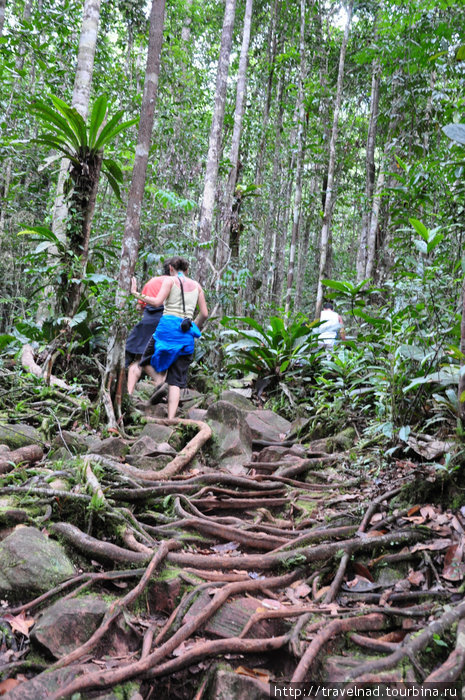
7	685
363	571
434	546
302	590
19	623
428	512
394	636
416	578
253	673
321	593
454	568
413	510
376	518
226	547
271	604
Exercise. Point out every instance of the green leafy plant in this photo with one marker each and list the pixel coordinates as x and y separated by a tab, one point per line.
274	354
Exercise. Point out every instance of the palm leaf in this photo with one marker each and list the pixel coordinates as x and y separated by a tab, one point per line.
98	114
74	119
62	127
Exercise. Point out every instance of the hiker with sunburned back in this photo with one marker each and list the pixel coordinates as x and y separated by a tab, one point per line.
332	327
175	335
143	331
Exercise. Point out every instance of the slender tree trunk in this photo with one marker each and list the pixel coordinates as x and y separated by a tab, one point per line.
211	174
130	243
2	15
370	172
80	100
269	260
229	220
299	164
331	168
461	387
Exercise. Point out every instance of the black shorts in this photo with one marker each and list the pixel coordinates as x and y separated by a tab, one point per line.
177	372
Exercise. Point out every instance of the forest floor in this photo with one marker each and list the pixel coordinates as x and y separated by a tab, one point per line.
308	569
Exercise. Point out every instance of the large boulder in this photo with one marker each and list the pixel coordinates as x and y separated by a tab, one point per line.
267	426
17	435
232	439
74	442
227	684
47	683
31	563
67	624
110	447
239	400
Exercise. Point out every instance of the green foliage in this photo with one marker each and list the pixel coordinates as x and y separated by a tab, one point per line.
81	142
276	354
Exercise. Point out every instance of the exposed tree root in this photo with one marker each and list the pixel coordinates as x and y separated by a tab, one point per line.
374	621
101	679
29	454
412	644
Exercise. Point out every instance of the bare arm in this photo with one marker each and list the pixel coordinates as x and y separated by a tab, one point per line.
161	296
342	333
203	310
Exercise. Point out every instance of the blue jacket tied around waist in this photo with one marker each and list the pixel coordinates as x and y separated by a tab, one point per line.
171	342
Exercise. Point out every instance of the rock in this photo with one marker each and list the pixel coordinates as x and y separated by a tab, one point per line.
232	438
67	624
75	442
197	413
3	449
158	433
149	462
231	618
19	435
266	425
110	447
146	446
238	400
228	685
164	591
274	453
47	683
31	563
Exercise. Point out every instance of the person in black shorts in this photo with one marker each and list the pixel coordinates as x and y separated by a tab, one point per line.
142	333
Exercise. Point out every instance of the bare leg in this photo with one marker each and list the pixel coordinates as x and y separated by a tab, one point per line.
134	374
174	394
156	376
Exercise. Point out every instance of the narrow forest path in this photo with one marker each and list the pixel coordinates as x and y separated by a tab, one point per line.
304	567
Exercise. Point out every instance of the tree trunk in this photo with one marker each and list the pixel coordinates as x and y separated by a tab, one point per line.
461	388
329	197
211	174
2	15
370	173
299	164
80	99
130	243
230	221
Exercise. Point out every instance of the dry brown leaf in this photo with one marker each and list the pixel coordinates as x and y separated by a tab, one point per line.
413	510
376	518
434	546
375	533
8	684
394	636
416	519
321	593
19	623
253	673
363	571
416	578
302	590
428	512
454	568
